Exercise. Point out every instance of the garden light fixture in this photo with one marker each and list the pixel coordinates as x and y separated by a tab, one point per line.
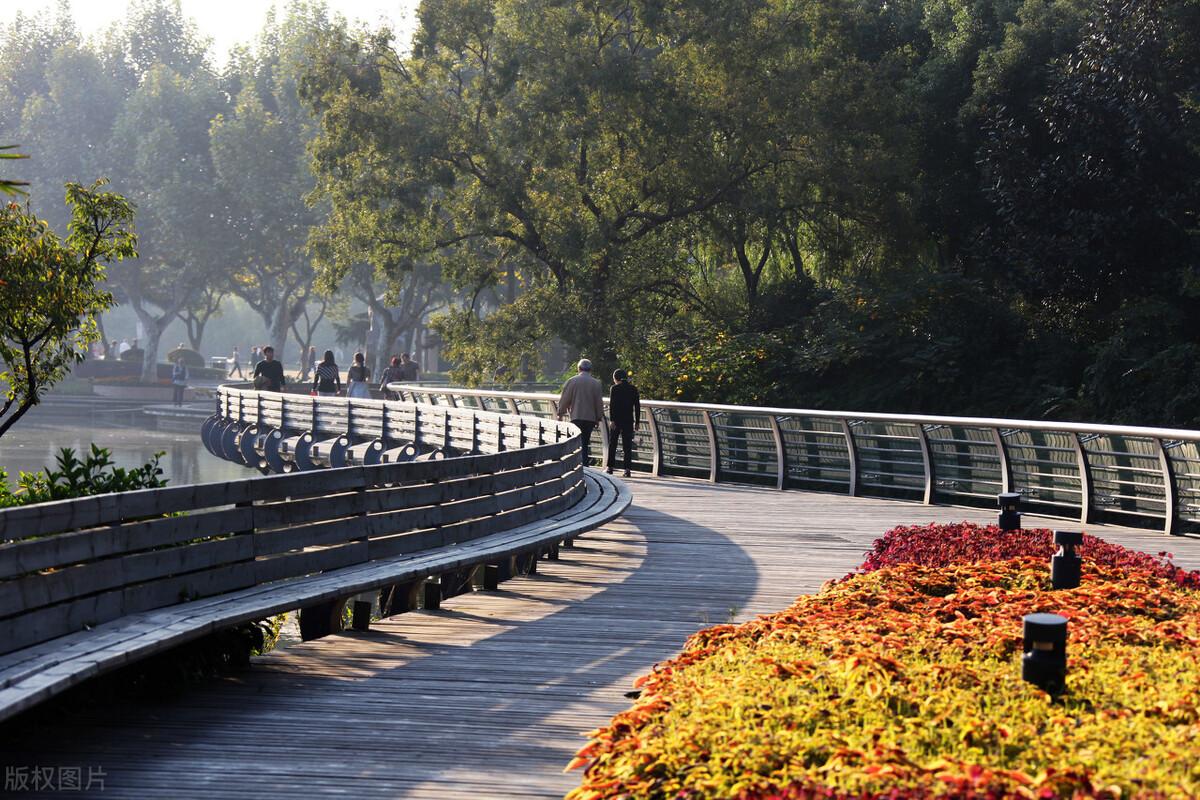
1065	564
1010	511
1045	661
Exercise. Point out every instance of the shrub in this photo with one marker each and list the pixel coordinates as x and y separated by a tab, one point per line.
902	681
938	545
76	477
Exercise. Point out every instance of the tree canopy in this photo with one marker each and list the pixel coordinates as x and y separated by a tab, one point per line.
51	290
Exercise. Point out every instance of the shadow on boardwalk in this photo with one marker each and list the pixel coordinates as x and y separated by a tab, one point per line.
485	698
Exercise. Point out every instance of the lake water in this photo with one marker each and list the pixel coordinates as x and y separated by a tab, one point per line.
34	441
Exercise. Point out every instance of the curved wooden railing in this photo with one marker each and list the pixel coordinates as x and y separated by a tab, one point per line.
70	565
1137	475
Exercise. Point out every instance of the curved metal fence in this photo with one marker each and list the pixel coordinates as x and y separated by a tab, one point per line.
1133	475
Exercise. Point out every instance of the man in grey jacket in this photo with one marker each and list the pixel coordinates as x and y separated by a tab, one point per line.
582	401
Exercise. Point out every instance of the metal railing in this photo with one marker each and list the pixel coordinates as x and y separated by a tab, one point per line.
1135	475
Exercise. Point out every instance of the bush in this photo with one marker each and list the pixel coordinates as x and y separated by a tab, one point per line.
75	477
902	681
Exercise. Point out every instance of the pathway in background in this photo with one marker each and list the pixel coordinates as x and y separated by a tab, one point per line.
489	697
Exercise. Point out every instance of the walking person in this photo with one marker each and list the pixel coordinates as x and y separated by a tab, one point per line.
179	379
358	378
327	382
235	364
625	411
391	373
582	400
270	371
409	369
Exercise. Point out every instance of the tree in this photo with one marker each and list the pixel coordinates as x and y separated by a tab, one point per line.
259	152
1096	192
202	308
50	290
159	148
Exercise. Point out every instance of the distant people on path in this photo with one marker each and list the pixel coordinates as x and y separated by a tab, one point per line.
312	359
409	370
179	379
391	374
124	347
582	401
256	354
235	364
358	378
625	411
114	350
268	373
327	382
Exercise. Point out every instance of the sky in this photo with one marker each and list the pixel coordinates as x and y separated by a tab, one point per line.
227	22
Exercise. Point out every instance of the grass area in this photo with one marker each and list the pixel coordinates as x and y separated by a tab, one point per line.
903	681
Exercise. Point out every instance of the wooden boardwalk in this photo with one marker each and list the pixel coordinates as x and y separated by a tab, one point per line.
489	697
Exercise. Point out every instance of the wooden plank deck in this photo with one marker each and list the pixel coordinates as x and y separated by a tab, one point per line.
488	697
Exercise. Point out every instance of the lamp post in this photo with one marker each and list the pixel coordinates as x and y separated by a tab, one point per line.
1044	663
1010	511
1065	564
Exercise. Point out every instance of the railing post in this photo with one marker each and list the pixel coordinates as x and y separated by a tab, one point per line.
851	456
1170	490
714	469
1006	479
1085	480
927	461
656	456
602	424
781	466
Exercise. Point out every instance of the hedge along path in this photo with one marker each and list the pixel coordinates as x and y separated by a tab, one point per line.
490	697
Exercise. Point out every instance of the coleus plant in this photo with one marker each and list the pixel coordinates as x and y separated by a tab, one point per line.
902	681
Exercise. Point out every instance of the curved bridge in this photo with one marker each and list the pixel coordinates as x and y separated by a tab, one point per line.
488	695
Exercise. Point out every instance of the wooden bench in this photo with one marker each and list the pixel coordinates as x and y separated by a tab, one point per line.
34	674
89	585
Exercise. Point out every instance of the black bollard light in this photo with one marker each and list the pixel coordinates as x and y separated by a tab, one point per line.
1045	661
1010	511
1065	564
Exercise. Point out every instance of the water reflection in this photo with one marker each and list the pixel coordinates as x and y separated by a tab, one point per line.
33	443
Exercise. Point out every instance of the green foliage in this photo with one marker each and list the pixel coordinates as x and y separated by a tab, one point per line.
960	206
50	290
73	477
8	186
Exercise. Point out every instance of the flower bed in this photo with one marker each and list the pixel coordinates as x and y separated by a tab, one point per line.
903	681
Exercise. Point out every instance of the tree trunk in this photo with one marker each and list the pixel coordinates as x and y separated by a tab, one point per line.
195	332
154	331
103	337
278	326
